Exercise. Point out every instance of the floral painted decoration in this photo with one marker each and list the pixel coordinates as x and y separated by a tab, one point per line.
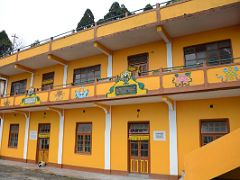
230	74
182	79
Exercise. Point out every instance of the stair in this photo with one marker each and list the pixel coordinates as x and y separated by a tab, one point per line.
214	159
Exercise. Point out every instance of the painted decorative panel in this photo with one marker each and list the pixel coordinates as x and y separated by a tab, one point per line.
152	83
183	79
82	92
59	95
224	74
30	99
126	84
5	102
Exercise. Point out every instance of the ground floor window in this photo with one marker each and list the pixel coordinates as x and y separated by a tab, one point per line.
13	136
83	138
213	129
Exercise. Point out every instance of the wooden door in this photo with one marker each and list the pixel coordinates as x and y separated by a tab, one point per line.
139	156
139	148
43	142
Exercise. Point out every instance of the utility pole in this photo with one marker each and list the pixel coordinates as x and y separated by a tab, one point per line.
14	40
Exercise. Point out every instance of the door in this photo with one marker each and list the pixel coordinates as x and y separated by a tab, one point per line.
43	142
139	148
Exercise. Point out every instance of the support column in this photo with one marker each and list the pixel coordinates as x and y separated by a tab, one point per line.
167	39
31	80
60	137
169	55
107	163
173	148
1	130
173	140
60	133
6	86
65	73
107	138
25	148
109	69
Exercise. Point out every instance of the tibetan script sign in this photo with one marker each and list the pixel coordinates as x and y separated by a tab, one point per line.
31	98
129	89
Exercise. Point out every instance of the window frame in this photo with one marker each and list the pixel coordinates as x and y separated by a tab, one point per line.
50	84
212	134
12	84
10	134
207	57
136	56
84	134
82	69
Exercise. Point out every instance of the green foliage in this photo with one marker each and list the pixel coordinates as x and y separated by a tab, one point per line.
148	7
5	44
141	85
115	12
37	42
172	1
86	21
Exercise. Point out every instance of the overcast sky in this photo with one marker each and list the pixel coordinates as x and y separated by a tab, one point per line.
40	19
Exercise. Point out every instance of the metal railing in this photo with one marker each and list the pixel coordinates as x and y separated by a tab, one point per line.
73	31
159	71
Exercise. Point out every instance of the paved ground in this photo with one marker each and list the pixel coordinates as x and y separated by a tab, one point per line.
17	171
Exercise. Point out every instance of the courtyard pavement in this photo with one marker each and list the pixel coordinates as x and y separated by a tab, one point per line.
17	170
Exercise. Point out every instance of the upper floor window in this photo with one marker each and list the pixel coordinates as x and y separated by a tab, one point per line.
213	53
13	136
2	87
213	129
18	87
86	75
47	81
138	64
83	138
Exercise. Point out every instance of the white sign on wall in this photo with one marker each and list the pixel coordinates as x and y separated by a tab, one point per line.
159	135
33	135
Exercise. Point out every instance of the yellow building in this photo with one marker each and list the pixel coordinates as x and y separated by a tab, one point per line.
143	94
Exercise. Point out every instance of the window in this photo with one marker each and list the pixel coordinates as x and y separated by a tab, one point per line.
83	138
13	136
138	64
213	129
47	81
86	75
214	53
18	87
139	128
2	87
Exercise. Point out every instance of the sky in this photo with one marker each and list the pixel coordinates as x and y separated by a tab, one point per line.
33	20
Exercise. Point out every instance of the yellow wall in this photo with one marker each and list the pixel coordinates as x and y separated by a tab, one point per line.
205	37
13	119
18	78
188	123
58	75
157	56
97	117
192	6
157	115
86	62
53	119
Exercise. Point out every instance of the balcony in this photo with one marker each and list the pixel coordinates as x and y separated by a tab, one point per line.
159	82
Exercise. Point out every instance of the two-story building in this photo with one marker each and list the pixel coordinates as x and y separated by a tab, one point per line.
156	93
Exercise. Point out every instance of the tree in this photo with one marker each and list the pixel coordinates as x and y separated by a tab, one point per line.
147	7
86	21
172	1
37	42
5	44
115	12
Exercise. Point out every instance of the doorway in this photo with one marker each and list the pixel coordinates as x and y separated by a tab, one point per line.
43	142
138	138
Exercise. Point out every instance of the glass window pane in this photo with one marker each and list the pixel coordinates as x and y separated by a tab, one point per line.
84	128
